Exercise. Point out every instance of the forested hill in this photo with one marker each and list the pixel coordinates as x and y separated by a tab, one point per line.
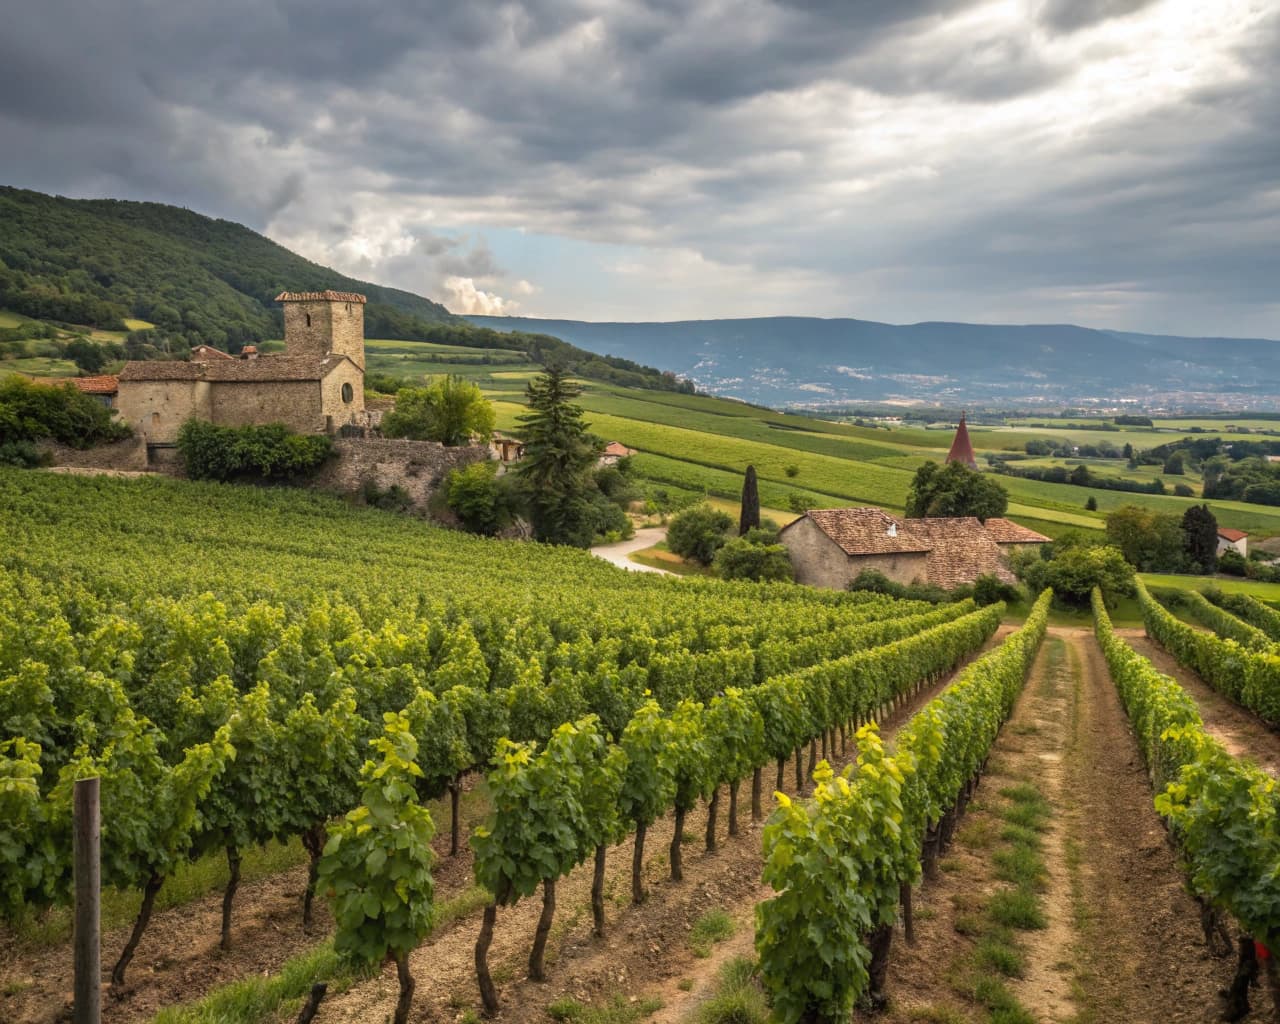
100	262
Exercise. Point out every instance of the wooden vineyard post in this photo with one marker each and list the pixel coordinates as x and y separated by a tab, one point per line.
87	938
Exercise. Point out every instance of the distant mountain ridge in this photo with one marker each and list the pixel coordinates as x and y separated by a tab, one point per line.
811	361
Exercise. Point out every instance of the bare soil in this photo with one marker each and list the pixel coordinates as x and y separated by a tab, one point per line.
1235	727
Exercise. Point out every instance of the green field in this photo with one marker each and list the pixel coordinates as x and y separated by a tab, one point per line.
1230	584
40	366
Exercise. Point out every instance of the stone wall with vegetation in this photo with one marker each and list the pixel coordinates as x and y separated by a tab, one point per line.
419	467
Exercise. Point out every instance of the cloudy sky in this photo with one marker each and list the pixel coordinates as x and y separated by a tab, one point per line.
1106	162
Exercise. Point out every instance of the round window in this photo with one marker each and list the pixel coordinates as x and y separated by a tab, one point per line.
347	393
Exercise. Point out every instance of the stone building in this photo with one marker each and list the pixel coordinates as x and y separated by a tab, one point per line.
831	547
315	386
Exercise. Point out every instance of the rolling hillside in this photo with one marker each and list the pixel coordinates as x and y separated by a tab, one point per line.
810	361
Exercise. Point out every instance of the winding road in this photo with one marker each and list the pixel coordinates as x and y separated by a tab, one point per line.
619	553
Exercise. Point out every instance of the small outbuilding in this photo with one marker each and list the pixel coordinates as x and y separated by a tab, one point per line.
832	547
1233	540
104	388
614	452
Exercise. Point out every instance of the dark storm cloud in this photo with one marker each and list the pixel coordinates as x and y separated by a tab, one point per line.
818	137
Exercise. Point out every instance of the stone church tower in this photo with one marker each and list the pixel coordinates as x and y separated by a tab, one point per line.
319	323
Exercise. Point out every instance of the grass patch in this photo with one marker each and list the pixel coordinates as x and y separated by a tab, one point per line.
619	1011
1016	908
260	998
712	927
997	952
738	998
1021	865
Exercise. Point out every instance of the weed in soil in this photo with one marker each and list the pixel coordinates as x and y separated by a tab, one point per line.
620	1011
738	998
712	927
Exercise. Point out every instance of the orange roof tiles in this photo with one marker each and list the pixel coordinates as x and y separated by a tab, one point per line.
617	448
866	531
325	296
108	384
1226	533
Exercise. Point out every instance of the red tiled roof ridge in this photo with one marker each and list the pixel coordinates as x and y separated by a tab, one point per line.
106	384
1227	533
325	296
211	351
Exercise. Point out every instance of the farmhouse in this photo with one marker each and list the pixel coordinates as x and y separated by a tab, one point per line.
614	452
315	386
1233	540
831	547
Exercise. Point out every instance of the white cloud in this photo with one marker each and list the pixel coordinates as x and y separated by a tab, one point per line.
464	297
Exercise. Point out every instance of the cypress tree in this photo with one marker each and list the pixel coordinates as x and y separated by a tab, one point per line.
1200	537
750	518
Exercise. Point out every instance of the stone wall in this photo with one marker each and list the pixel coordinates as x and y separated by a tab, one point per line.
129	455
156	409
335	411
821	562
295	403
417	466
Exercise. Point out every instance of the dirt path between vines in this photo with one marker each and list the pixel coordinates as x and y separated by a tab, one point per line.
1122	940
645	953
1236	728
178	960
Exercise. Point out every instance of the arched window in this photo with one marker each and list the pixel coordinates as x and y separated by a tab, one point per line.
308	316
347	393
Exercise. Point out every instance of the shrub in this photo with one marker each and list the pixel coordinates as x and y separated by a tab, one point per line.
699	533
1184	490
63	413
394	499
449	410
989	589
22	454
792	471
1091	505
744	558
270	452
878	583
1232	563
480	500
797	502
1073	573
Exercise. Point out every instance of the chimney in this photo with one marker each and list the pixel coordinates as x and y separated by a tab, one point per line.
249	352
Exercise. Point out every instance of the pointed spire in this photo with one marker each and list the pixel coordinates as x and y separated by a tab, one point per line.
961	449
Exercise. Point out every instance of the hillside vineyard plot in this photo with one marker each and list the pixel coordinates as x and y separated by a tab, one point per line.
225	659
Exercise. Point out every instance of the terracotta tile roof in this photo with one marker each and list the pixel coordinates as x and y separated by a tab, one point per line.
1005	531
617	448
105	385
960	551
865	531
957	550
264	368
209	352
325	296
1226	533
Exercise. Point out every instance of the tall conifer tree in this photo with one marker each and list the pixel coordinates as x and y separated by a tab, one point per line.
750	517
